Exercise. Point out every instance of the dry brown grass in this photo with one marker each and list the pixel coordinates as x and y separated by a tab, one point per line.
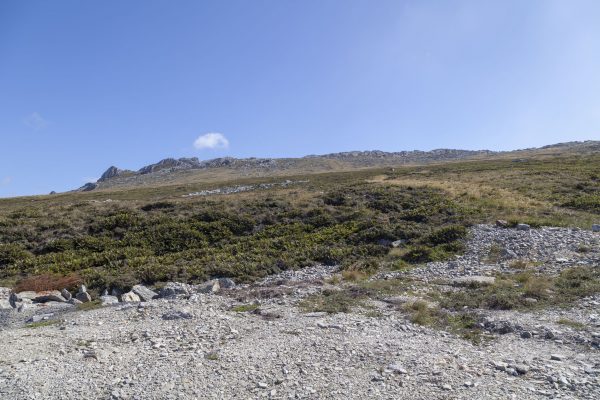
45	282
354	276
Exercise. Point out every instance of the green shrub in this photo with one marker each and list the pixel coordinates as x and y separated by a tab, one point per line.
11	253
447	234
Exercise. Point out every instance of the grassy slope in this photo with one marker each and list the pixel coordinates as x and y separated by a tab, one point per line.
338	217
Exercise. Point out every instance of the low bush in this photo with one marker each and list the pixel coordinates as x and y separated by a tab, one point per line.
38	283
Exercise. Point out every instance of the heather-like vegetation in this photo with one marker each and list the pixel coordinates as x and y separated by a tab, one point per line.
245	238
155	234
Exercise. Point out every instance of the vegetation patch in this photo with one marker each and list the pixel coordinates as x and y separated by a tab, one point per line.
39	324
527	291
334	301
90	305
571	324
333	221
245	307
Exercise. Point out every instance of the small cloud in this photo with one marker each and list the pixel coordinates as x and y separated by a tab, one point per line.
35	121
90	180
6	181
211	140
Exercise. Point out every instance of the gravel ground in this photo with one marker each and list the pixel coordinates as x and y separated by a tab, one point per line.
198	347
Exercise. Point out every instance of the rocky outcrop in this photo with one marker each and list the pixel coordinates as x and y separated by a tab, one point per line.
162	170
88	187
171	164
111	172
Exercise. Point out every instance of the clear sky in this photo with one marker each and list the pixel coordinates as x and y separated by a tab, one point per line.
89	84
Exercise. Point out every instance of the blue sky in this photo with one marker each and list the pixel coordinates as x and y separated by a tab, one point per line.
85	85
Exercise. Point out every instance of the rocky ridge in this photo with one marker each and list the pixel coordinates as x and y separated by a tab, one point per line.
167	167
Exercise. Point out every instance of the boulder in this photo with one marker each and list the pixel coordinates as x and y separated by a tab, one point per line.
144	293
40	317
502	223
212	286
596	228
173	289
523	227
75	302
398	243
116	292
226	283
49	295
83	297
27	295
5	304
130	297
66	294
14	300
108	300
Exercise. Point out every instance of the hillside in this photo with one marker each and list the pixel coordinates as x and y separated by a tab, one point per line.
416	281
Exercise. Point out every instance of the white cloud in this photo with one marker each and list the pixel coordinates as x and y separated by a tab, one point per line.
211	140
6	181
35	121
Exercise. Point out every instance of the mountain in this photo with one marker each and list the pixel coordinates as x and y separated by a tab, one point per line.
171	170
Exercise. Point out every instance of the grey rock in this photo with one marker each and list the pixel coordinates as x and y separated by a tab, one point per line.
83	297
397	369
557	357
398	243
144	293
596	228
502	223
508	254
5	305
108	300
75	302
130	297
173	289
500	365
212	286
226	283
522	369
88	187
49	295
14	300
526	335
111	172
27	295
40	317
523	227
66	294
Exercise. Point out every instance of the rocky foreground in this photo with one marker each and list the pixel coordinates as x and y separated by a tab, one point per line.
246	342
